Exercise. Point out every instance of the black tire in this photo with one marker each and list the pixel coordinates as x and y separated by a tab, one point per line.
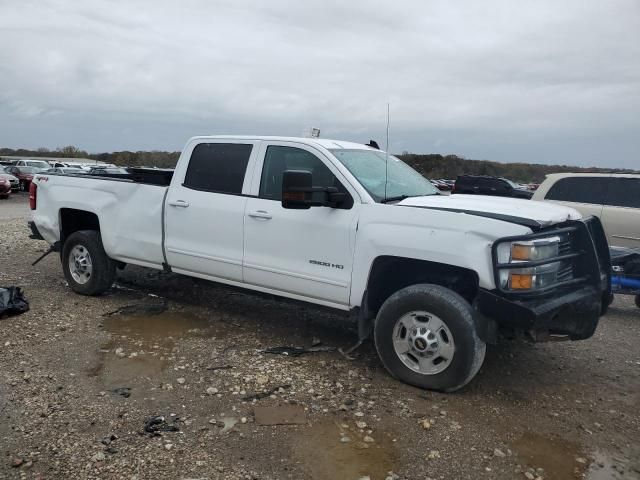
638	301
457	315
4	197
103	268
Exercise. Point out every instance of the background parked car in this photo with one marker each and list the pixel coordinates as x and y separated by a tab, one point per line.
32	163
108	171
440	185
24	174
615	198
485	185
13	180
73	170
5	188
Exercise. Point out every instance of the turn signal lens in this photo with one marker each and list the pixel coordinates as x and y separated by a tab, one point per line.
520	252
521	281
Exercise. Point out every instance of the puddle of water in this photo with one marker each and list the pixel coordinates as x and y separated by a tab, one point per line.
327	457
607	466
140	344
559	457
159	329
556	455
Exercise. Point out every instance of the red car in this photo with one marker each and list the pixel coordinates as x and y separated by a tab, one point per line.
5	188
24	174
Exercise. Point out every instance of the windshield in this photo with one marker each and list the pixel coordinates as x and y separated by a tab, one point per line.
513	184
368	166
37	163
29	169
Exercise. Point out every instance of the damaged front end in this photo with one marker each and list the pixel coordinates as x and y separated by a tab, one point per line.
553	284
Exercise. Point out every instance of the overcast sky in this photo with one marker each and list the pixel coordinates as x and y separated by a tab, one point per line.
539	81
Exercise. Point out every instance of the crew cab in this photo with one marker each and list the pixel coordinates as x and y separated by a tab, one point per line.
432	277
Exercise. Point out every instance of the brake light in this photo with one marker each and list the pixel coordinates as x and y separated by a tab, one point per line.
33	189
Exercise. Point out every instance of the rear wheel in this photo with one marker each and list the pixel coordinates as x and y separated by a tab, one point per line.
426	336
86	266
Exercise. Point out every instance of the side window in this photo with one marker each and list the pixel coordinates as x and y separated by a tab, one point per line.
579	189
218	167
277	159
624	192
487	183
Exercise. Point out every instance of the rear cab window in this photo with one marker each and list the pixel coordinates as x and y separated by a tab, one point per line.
218	167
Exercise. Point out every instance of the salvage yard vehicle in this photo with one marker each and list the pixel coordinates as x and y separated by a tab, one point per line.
5	188
433	278
614	198
486	185
13	181
24	175
32	163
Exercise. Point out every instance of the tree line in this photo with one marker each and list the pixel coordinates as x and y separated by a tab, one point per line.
430	165
450	166
125	158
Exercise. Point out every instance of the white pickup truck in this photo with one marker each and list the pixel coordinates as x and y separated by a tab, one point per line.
432	277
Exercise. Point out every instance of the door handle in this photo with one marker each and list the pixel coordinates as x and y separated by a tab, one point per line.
260	214
178	203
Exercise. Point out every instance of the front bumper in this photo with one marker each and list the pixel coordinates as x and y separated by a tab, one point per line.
574	314
572	307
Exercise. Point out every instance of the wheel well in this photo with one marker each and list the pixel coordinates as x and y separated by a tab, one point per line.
72	220
390	274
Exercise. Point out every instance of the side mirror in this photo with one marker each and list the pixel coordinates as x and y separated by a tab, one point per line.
297	189
298	192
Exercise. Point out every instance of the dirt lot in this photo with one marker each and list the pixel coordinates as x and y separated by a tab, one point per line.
80	376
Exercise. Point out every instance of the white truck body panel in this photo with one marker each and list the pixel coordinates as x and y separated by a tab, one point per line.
321	255
130	214
541	212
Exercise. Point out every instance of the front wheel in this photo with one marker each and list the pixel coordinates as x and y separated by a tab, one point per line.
426	336
86	266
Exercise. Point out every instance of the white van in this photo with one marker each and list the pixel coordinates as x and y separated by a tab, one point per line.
615	198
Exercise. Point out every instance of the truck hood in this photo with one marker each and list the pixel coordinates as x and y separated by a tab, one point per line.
525	212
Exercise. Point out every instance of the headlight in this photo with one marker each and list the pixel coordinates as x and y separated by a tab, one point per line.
534	274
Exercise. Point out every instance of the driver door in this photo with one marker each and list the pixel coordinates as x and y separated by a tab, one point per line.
307	252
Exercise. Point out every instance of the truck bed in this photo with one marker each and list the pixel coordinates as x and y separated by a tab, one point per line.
128	208
147	176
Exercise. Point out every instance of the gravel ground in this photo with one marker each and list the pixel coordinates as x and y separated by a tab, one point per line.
80	376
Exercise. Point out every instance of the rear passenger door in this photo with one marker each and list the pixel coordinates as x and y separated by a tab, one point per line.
621	214
486	186
204	209
585	194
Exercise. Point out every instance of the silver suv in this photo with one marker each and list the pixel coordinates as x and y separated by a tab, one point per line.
615	198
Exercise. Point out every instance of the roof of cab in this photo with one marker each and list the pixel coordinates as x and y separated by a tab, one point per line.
323	142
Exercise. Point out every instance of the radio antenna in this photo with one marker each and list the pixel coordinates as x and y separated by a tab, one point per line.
386	157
